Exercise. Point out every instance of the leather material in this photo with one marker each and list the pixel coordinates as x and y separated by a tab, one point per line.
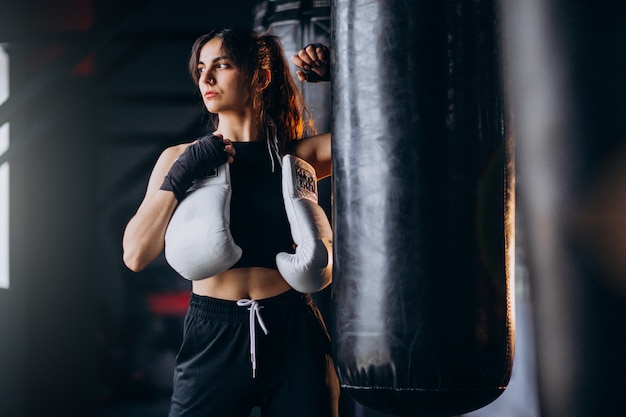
309	269
423	207
198	241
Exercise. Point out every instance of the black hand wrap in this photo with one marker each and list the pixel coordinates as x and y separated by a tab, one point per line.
312	76
198	160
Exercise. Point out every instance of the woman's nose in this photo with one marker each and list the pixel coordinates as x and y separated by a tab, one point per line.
207	78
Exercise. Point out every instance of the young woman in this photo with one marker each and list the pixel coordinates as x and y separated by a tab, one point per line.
259	116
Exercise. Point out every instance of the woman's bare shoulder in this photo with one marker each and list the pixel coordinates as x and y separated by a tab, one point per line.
164	163
174	151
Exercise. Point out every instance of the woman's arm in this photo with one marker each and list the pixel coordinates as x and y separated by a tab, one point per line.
144	236
316	150
314	61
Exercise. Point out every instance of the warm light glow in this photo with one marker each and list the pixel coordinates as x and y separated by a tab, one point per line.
4	176
509	230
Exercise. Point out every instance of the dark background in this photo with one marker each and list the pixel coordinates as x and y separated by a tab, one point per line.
98	89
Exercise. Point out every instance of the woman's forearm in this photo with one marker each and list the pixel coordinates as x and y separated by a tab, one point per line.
144	235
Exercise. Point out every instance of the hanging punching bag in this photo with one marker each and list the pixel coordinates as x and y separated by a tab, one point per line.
422	321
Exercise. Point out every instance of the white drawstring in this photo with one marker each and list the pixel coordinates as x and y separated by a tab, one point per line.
255	312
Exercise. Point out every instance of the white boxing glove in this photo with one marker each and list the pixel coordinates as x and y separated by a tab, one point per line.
198	242
310	268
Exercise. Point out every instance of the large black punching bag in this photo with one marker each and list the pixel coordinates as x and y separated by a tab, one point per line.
423	210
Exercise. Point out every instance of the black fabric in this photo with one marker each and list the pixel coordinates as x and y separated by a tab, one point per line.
312	76
295	375
197	161
258	221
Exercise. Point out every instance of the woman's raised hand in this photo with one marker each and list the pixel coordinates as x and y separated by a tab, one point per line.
197	161
314	63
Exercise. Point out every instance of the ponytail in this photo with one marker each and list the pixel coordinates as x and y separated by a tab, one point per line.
281	101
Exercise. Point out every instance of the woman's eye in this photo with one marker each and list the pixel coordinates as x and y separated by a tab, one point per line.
201	70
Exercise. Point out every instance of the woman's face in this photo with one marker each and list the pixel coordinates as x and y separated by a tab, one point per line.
222	85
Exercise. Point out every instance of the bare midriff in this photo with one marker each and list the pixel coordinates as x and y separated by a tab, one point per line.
242	283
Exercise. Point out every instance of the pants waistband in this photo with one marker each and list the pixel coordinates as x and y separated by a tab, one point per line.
227	310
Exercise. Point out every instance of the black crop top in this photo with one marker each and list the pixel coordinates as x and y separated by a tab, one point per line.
258	221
